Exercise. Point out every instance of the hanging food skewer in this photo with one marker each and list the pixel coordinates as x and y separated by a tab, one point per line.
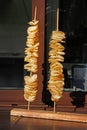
56	56
31	61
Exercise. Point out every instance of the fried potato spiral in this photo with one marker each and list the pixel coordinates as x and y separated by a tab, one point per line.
56	56
31	61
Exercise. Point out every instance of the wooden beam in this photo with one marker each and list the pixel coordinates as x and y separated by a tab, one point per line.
40	4
65	116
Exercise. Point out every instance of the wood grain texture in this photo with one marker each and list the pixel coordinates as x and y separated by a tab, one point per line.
65	116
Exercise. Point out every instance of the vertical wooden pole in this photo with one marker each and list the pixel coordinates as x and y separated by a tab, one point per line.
28	105
40	4
57	19
54	106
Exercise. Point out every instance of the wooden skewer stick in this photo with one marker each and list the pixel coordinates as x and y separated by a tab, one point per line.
28	105
29	102
35	13
57	19
54	106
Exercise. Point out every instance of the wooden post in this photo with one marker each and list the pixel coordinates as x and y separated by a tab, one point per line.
40	4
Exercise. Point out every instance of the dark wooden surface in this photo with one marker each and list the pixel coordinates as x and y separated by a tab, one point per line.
8	122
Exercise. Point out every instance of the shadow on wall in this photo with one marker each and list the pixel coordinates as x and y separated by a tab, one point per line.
78	98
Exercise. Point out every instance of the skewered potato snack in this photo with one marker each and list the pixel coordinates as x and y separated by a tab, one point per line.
56	56
31	61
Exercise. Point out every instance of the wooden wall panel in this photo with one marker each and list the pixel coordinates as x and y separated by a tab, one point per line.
40	4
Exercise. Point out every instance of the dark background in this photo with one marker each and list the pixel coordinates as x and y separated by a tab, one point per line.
14	18
73	21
